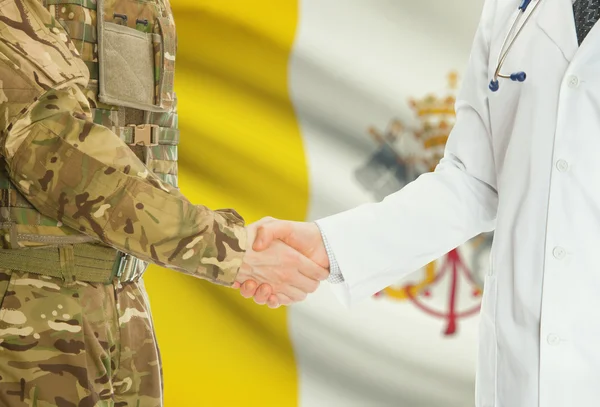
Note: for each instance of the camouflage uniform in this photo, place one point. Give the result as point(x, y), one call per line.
point(88, 197)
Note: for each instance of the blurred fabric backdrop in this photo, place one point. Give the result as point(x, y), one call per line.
point(299, 109)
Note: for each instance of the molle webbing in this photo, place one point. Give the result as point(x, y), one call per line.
point(162, 135)
point(153, 136)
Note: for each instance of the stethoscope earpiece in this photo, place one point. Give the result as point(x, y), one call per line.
point(518, 76)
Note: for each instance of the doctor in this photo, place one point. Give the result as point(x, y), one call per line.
point(523, 159)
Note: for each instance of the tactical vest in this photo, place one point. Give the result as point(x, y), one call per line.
point(129, 48)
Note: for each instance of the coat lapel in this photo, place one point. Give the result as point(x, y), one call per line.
point(556, 20)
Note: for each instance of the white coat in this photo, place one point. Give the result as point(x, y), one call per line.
point(524, 161)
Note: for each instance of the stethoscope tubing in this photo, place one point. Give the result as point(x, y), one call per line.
point(509, 41)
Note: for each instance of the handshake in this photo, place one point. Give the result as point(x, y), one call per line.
point(284, 262)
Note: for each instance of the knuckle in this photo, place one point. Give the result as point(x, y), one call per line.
point(315, 273)
point(260, 230)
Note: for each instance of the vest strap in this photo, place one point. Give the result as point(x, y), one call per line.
point(90, 263)
point(66, 254)
point(89, 4)
point(148, 135)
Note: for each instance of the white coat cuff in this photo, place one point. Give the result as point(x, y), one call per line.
point(335, 273)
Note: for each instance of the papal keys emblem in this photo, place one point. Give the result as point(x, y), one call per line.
point(449, 288)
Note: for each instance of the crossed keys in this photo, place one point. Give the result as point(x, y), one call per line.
point(399, 159)
point(402, 155)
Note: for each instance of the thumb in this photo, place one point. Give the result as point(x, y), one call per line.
point(264, 238)
point(266, 233)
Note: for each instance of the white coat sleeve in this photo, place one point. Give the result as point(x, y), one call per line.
point(377, 244)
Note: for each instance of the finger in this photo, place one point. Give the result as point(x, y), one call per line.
point(293, 293)
point(299, 281)
point(295, 267)
point(248, 289)
point(236, 285)
point(284, 299)
point(277, 300)
point(311, 269)
point(263, 293)
point(266, 233)
point(306, 285)
point(273, 302)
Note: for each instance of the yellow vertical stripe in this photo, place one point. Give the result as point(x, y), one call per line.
point(241, 148)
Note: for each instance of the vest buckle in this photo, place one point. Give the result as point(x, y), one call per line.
point(144, 134)
point(125, 268)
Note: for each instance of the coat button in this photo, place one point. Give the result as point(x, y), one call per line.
point(553, 340)
point(559, 253)
point(573, 81)
point(562, 165)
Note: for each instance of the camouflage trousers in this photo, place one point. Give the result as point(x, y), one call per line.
point(76, 345)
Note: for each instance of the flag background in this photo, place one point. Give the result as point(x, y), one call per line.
point(275, 99)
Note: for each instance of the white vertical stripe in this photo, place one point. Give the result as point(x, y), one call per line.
point(355, 64)
point(380, 354)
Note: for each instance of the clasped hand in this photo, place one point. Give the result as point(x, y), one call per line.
point(285, 261)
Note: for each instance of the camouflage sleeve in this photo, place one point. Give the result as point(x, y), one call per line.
point(81, 173)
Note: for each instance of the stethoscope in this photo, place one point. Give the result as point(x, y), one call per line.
point(507, 45)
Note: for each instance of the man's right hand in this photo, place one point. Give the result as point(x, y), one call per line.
point(286, 275)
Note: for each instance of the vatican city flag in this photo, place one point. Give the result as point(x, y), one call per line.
point(299, 109)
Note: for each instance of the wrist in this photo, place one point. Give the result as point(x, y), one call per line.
point(236, 265)
point(324, 250)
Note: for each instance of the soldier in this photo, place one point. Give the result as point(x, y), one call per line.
point(88, 197)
